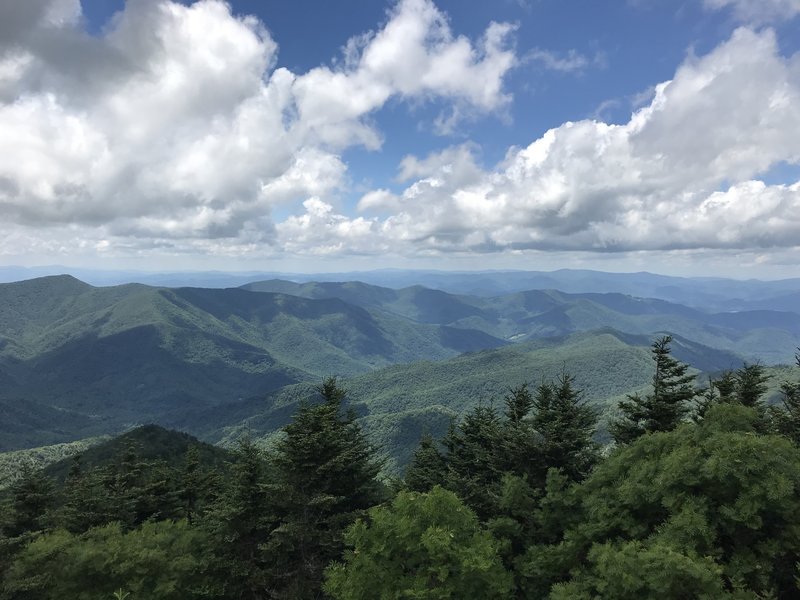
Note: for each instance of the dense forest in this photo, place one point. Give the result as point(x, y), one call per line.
point(696, 497)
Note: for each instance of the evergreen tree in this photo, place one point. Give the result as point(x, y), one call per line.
point(325, 477)
point(192, 485)
point(86, 502)
point(787, 416)
point(665, 407)
point(726, 386)
point(566, 424)
point(476, 451)
point(427, 468)
point(32, 499)
point(519, 402)
point(751, 385)
point(237, 525)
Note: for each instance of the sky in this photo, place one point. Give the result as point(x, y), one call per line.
point(298, 135)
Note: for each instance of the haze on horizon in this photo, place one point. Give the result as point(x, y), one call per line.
point(633, 136)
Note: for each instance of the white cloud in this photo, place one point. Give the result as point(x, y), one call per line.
point(178, 133)
point(758, 11)
point(415, 55)
point(176, 128)
point(381, 199)
point(322, 231)
point(568, 62)
point(682, 173)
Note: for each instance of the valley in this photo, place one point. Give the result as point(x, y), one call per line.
point(78, 361)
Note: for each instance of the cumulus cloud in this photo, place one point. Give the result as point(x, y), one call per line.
point(177, 127)
point(682, 173)
point(177, 131)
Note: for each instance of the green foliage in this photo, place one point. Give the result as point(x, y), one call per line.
point(150, 443)
point(428, 467)
point(786, 416)
point(473, 459)
point(158, 561)
point(565, 424)
point(325, 477)
point(237, 525)
point(665, 407)
point(716, 494)
point(751, 384)
point(11, 463)
point(425, 546)
point(31, 500)
point(634, 570)
point(519, 402)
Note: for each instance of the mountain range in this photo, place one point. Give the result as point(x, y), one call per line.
point(78, 360)
point(713, 294)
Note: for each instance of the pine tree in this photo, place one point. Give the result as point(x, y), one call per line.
point(521, 448)
point(751, 385)
point(726, 386)
point(238, 524)
point(325, 478)
point(787, 416)
point(566, 424)
point(86, 501)
point(32, 498)
point(476, 453)
point(665, 407)
point(191, 484)
point(427, 468)
point(519, 402)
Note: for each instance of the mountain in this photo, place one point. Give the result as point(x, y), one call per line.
point(707, 293)
point(150, 442)
point(768, 336)
point(77, 360)
point(711, 294)
point(396, 404)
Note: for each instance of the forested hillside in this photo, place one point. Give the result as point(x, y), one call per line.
point(396, 405)
point(77, 361)
point(697, 497)
point(767, 335)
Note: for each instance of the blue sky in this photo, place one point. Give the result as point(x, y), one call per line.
point(626, 135)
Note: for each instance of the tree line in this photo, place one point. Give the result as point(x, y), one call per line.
point(697, 498)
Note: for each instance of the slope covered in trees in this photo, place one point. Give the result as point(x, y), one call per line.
point(764, 334)
point(398, 403)
point(77, 361)
point(514, 501)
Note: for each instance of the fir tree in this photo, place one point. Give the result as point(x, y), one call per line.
point(32, 498)
point(475, 457)
point(325, 478)
point(566, 424)
point(192, 482)
point(665, 407)
point(751, 385)
point(519, 402)
point(238, 524)
point(726, 386)
point(787, 416)
point(427, 468)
